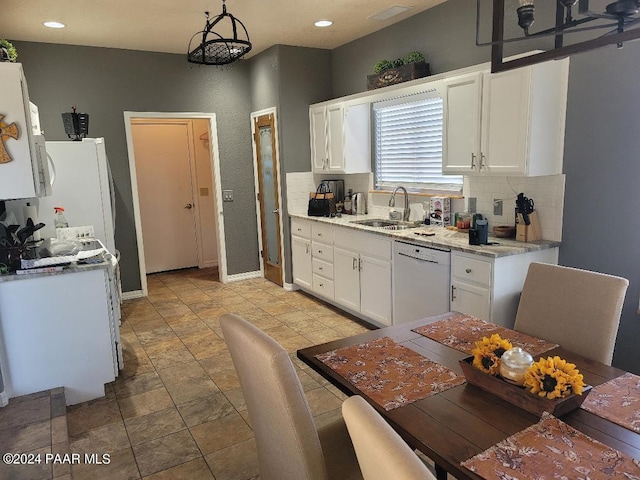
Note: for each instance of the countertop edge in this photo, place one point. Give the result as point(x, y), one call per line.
point(444, 238)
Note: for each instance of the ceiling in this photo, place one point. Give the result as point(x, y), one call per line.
point(167, 25)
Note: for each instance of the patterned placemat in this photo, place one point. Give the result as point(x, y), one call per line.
point(552, 449)
point(390, 374)
point(617, 400)
point(463, 331)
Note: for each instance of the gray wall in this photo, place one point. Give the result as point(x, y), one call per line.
point(290, 79)
point(106, 82)
point(601, 221)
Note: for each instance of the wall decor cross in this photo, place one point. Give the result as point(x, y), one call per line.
point(7, 131)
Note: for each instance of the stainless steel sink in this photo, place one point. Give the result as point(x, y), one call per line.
point(385, 224)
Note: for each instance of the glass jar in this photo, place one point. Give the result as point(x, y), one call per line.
point(463, 221)
point(514, 363)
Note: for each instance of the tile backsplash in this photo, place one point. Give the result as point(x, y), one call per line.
point(547, 192)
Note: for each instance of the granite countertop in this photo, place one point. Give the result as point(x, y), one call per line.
point(71, 268)
point(443, 238)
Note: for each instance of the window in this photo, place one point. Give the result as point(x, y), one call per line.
point(408, 144)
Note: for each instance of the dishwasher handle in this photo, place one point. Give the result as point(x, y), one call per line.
point(417, 258)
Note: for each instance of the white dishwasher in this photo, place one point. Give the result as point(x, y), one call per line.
point(421, 279)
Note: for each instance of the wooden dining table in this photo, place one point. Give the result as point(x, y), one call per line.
point(463, 421)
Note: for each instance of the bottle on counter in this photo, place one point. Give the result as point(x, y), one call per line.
point(348, 203)
point(60, 221)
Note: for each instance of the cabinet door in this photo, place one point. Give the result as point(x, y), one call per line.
point(471, 299)
point(357, 138)
point(301, 261)
point(347, 278)
point(318, 135)
point(505, 122)
point(375, 289)
point(335, 137)
point(461, 141)
point(17, 179)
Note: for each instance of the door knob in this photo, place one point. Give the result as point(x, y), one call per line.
point(277, 211)
point(189, 206)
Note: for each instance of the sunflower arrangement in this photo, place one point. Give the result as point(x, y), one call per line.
point(487, 353)
point(553, 377)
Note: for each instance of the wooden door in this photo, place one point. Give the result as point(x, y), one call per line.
point(264, 137)
point(167, 208)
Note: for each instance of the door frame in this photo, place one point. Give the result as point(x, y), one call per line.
point(215, 170)
point(255, 115)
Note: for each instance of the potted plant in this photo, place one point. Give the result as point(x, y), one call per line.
point(409, 67)
point(8, 52)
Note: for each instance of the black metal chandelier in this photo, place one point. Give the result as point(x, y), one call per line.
point(618, 21)
point(214, 49)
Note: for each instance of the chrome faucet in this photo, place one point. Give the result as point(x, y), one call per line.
point(392, 202)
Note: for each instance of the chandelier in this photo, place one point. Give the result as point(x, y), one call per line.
point(615, 24)
point(214, 48)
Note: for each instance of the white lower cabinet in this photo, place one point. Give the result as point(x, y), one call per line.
point(362, 268)
point(301, 261)
point(489, 288)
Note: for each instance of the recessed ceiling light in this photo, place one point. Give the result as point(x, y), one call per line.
point(390, 12)
point(54, 24)
point(323, 23)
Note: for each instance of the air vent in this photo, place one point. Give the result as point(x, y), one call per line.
point(390, 12)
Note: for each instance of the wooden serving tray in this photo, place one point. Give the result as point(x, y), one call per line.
point(519, 396)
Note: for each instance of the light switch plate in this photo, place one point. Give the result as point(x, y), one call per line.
point(227, 195)
point(472, 205)
point(497, 206)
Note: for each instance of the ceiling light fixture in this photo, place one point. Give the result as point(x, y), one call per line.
point(214, 49)
point(54, 24)
point(323, 23)
point(619, 22)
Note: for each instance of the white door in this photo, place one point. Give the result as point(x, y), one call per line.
point(505, 121)
point(462, 124)
point(470, 299)
point(375, 289)
point(318, 138)
point(167, 211)
point(346, 272)
point(335, 137)
point(301, 261)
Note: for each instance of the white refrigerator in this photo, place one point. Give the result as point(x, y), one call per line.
point(83, 186)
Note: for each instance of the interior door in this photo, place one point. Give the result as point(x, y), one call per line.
point(268, 194)
point(167, 211)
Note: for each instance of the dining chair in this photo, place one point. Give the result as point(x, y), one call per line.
point(577, 309)
point(381, 452)
point(289, 445)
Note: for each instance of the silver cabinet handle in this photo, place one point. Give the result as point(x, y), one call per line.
point(468, 270)
point(354, 265)
point(483, 162)
point(453, 293)
point(473, 160)
point(307, 249)
point(188, 206)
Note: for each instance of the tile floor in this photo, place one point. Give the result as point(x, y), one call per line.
point(177, 411)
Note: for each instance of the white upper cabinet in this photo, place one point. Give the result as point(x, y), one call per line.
point(509, 123)
point(23, 162)
point(340, 138)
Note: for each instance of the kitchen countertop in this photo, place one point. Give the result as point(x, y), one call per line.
point(443, 238)
point(71, 268)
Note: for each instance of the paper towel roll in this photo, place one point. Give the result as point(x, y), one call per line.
point(31, 212)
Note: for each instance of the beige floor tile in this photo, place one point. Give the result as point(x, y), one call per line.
point(187, 382)
point(237, 462)
point(221, 370)
point(190, 327)
point(236, 397)
point(173, 320)
point(166, 452)
point(122, 466)
point(172, 343)
point(107, 439)
point(194, 470)
point(280, 333)
point(325, 335)
point(205, 409)
point(221, 433)
point(157, 335)
point(277, 308)
point(82, 418)
point(145, 403)
point(42, 471)
point(138, 384)
point(322, 400)
point(204, 344)
point(154, 425)
point(171, 358)
point(25, 412)
point(24, 438)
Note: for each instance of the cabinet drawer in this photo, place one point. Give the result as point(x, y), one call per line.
point(322, 233)
point(323, 286)
point(368, 244)
point(322, 251)
point(471, 270)
point(322, 268)
point(300, 228)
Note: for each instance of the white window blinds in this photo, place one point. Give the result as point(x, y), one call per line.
point(408, 144)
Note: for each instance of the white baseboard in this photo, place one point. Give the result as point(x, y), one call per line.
point(132, 294)
point(209, 264)
point(290, 287)
point(244, 276)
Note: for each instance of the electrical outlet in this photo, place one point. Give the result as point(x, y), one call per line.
point(497, 206)
point(472, 205)
point(227, 195)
